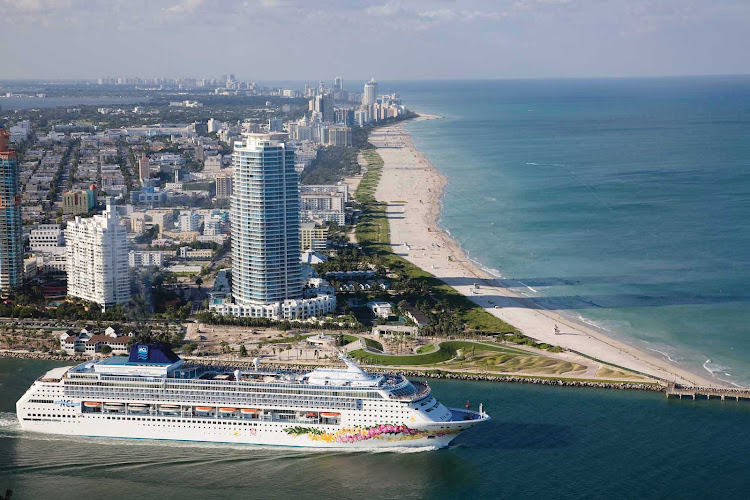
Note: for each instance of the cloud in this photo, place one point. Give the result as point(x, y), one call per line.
point(184, 7)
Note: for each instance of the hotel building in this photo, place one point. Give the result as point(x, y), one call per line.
point(97, 258)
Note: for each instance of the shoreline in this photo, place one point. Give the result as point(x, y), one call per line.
point(416, 235)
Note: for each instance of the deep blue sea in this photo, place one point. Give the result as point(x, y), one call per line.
point(543, 442)
point(624, 203)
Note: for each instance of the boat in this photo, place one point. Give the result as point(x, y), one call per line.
point(342, 407)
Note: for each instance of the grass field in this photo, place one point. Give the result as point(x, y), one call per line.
point(447, 351)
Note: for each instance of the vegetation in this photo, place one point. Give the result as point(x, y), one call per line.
point(450, 312)
point(373, 344)
point(332, 164)
point(447, 350)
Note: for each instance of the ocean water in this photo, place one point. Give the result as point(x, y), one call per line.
point(624, 203)
point(543, 442)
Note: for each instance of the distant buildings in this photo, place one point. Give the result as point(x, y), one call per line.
point(144, 169)
point(224, 186)
point(77, 203)
point(324, 203)
point(47, 239)
point(313, 237)
point(97, 259)
point(11, 242)
point(370, 94)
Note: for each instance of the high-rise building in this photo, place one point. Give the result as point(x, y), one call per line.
point(338, 83)
point(265, 221)
point(266, 255)
point(97, 258)
point(370, 95)
point(11, 243)
point(324, 106)
point(223, 186)
point(144, 170)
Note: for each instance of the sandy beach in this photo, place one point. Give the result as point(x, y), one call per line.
point(412, 188)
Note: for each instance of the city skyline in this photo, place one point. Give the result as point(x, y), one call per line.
point(448, 40)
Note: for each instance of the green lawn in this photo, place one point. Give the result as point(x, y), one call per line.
point(447, 351)
point(374, 344)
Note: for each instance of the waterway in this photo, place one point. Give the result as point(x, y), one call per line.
point(543, 442)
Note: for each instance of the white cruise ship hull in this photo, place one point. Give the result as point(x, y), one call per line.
point(66, 421)
point(317, 410)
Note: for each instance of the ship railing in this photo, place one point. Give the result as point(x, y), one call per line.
point(422, 389)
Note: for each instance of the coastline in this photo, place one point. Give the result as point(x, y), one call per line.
point(412, 189)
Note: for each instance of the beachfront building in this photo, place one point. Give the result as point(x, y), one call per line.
point(97, 258)
point(370, 95)
point(11, 242)
point(265, 204)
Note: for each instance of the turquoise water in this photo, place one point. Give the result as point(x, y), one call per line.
point(543, 442)
point(624, 203)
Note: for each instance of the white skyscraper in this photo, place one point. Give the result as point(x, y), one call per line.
point(370, 95)
point(97, 258)
point(266, 266)
point(265, 221)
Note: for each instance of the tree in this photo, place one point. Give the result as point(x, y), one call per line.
point(243, 350)
point(105, 350)
point(189, 348)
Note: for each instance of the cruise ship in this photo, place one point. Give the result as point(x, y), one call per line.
point(153, 394)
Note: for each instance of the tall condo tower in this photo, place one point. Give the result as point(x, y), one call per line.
point(370, 95)
point(338, 83)
point(144, 170)
point(11, 244)
point(264, 214)
point(97, 258)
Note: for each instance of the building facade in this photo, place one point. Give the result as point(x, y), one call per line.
point(265, 221)
point(97, 259)
point(11, 242)
point(224, 186)
point(266, 268)
point(370, 95)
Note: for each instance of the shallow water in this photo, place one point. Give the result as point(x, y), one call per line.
point(621, 203)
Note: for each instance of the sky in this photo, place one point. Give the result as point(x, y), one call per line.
point(390, 39)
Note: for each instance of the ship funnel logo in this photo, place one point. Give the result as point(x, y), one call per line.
point(143, 352)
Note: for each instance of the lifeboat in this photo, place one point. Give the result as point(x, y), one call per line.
point(92, 404)
point(249, 411)
point(227, 410)
point(137, 407)
point(204, 408)
point(169, 408)
point(113, 406)
point(329, 414)
point(311, 415)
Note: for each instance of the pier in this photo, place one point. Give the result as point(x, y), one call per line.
point(707, 392)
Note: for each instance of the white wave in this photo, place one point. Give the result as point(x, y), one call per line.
point(532, 163)
point(663, 354)
point(527, 286)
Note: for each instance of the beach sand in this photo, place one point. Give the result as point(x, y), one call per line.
point(412, 189)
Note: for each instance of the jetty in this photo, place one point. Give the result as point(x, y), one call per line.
point(707, 392)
